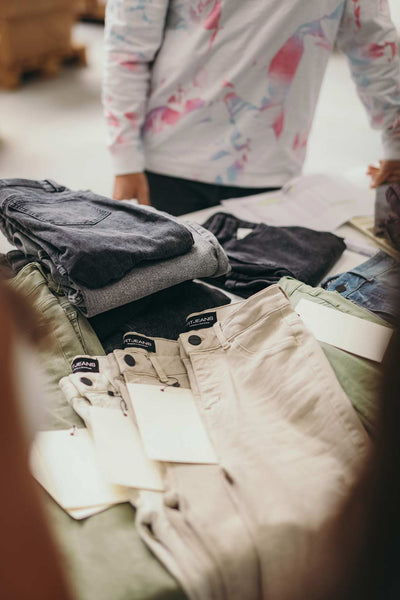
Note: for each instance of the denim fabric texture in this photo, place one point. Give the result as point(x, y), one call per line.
point(205, 258)
point(90, 239)
point(375, 285)
point(268, 253)
point(161, 315)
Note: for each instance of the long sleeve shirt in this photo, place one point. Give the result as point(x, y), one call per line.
point(224, 91)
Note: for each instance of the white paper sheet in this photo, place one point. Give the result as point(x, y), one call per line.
point(120, 451)
point(170, 425)
point(344, 331)
point(66, 466)
point(320, 202)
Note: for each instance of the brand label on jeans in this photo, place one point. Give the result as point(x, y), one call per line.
point(132, 340)
point(85, 365)
point(201, 321)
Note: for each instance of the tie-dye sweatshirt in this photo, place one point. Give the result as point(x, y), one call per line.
point(224, 91)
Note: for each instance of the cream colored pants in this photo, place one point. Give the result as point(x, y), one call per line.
point(289, 444)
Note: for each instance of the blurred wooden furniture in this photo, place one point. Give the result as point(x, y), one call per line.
point(35, 36)
point(93, 10)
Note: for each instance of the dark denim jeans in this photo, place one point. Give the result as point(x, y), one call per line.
point(375, 285)
point(268, 253)
point(87, 238)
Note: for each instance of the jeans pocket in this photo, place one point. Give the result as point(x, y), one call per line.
point(63, 211)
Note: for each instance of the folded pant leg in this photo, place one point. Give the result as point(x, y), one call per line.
point(205, 259)
point(176, 546)
point(360, 378)
point(70, 334)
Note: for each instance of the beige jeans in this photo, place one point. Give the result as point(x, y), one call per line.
point(194, 527)
point(287, 438)
point(289, 444)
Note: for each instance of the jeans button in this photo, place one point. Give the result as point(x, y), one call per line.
point(86, 381)
point(195, 340)
point(341, 288)
point(130, 361)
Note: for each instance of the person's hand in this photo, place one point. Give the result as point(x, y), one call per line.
point(132, 185)
point(387, 172)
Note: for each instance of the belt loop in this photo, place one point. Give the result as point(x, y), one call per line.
point(220, 335)
point(161, 374)
point(53, 186)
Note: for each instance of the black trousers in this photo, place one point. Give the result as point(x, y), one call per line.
point(179, 196)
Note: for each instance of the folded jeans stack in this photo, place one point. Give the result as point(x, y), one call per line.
point(103, 253)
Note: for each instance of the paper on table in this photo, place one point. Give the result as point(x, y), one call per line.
point(344, 331)
point(121, 455)
point(170, 425)
point(66, 466)
point(320, 202)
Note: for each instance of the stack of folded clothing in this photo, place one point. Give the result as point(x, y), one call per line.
point(261, 254)
point(100, 253)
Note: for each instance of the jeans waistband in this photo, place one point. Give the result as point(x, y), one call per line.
point(233, 319)
point(47, 185)
point(376, 265)
point(160, 346)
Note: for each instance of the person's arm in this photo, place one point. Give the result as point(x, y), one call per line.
point(368, 37)
point(133, 34)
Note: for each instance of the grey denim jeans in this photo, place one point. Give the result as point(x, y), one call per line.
point(203, 257)
point(90, 239)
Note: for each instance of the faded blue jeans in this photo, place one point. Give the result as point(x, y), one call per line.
point(375, 285)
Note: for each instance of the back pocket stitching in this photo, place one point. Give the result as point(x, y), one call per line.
point(20, 206)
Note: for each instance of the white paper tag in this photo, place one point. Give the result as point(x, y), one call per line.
point(120, 451)
point(66, 466)
point(344, 331)
point(170, 425)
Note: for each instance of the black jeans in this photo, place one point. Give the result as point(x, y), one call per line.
point(180, 196)
point(268, 253)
